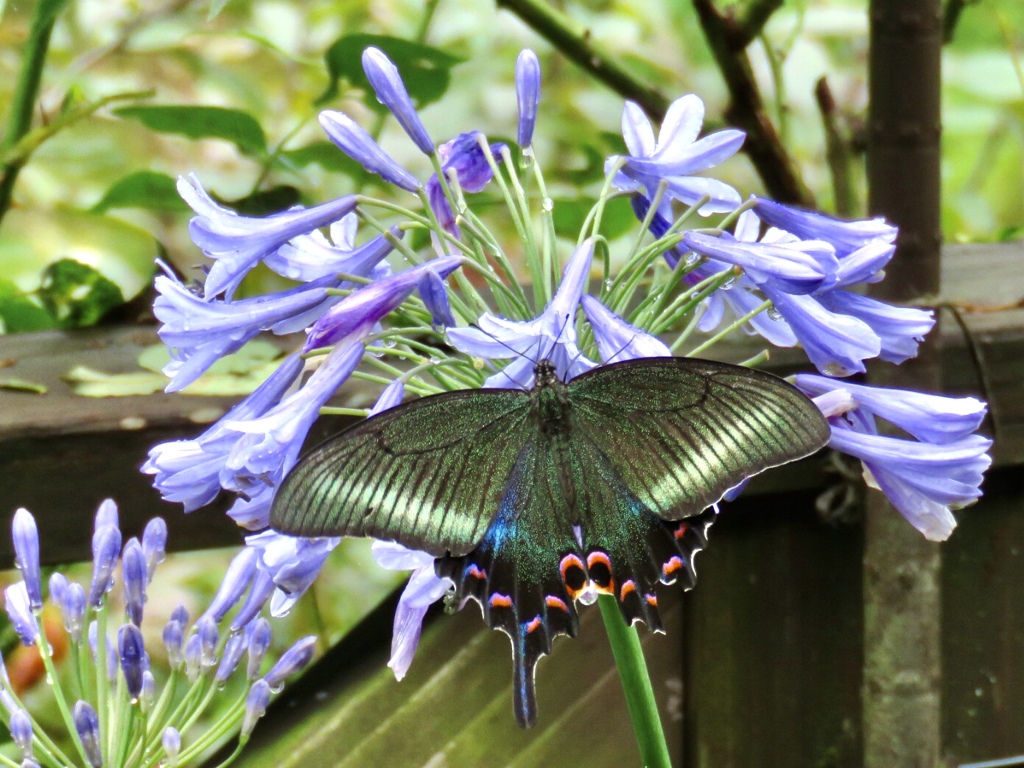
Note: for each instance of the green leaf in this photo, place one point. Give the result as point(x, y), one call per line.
point(266, 201)
point(569, 216)
point(425, 71)
point(22, 385)
point(76, 295)
point(20, 312)
point(142, 189)
point(201, 122)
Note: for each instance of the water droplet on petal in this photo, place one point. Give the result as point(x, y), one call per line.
point(774, 314)
point(692, 258)
point(729, 284)
point(548, 204)
point(588, 595)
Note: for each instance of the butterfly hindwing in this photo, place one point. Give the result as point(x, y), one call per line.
point(523, 570)
point(428, 474)
point(681, 432)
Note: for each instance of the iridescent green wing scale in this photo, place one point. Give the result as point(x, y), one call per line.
point(429, 474)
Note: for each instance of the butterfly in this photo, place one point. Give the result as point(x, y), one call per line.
point(532, 500)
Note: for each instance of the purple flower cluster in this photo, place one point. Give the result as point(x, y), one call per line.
point(123, 660)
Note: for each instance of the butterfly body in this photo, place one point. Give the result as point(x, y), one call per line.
point(532, 500)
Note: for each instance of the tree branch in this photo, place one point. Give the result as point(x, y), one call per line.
point(747, 111)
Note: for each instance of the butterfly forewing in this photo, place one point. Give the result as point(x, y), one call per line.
point(681, 432)
point(429, 474)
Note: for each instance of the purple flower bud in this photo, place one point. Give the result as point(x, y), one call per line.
point(292, 661)
point(233, 650)
point(193, 654)
point(133, 658)
point(74, 611)
point(20, 727)
point(26, 548)
point(133, 568)
point(148, 694)
point(391, 92)
point(20, 613)
point(106, 545)
point(5, 681)
point(171, 741)
point(260, 591)
point(435, 296)
point(259, 641)
point(111, 652)
point(355, 142)
point(354, 316)
point(618, 340)
point(154, 544)
point(87, 723)
point(180, 615)
point(255, 705)
point(106, 515)
point(5, 697)
point(237, 579)
point(208, 637)
point(846, 236)
point(527, 94)
point(174, 642)
point(58, 589)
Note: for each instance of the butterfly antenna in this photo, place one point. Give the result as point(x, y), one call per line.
point(501, 370)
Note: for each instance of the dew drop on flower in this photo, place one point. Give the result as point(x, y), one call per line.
point(548, 205)
point(608, 284)
point(729, 284)
point(388, 343)
point(774, 314)
point(692, 258)
point(276, 689)
point(528, 157)
point(435, 360)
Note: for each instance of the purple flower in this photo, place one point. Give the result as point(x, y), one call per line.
point(237, 242)
point(392, 395)
point(527, 94)
point(133, 568)
point(423, 589)
point(788, 264)
point(259, 643)
point(236, 580)
point(20, 726)
point(188, 471)
point(846, 236)
point(193, 658)
point(260, 590)
point(899, 329)
point(233, 650)
point(465, 156)
point(618, 340)
point(293, 562)
point(270, 444)
point(106, 545)
point(676, 156)
point(200, 332)
point(74, 611)
point(391, 92)
point(206, 631)
point(924, 478)
point(87, 724)
point(311, 257)
point(255, 705)
point(154, 544)
point(20, 613)
point(171, 742)
point(59, 590)
point(293, 660)
point(174, 642)
point(360, 146)
point(25, 536)
point(550, 335)
point(134, 660)
point(354, 316)
point(435, 297)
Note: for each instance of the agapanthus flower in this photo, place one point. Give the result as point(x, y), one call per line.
point(354, 141)
point(527, 95)
point(551, 335)
point(423, 589)
point(464, 157)
point(926, 477)
point(847, 236)
point(312, 257)
point(130, 689)
point(293, 562)
point(238, 242)
point(676, 156)
point(618, 340)
point(387, 84)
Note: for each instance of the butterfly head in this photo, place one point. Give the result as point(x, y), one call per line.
point(545, 374)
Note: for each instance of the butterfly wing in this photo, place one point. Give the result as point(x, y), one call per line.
point(663, 439)
point(681, 432)
point(429, 474)
point(527, 569)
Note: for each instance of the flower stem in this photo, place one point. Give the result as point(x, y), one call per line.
point(636, 684)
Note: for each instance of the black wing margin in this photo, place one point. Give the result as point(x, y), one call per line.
point(429, 474)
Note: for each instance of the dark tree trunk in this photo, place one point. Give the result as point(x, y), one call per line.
point(901, 570)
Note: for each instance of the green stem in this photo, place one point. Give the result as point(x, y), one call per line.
point(25, 93)
point(636, 684)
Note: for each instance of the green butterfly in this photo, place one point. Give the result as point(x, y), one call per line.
point(533, 499)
